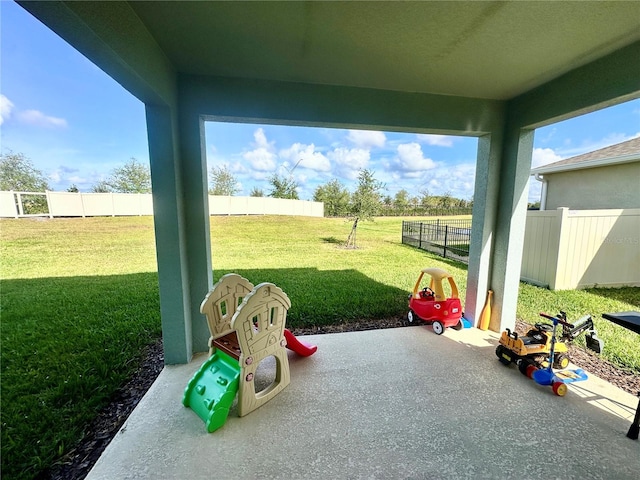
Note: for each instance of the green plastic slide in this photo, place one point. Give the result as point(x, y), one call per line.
point(211, 391)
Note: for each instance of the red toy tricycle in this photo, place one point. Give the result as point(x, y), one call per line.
point(431, 305)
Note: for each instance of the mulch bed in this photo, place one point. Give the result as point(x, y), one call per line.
point(79, 461)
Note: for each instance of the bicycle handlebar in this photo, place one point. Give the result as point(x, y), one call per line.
point(559, 320)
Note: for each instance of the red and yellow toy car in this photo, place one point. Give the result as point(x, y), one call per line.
point(430, 304)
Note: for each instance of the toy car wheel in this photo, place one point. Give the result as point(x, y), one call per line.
point(438, 328)
point(458, 326)
point(561, 361)
point(559, 389)
point(412, 318)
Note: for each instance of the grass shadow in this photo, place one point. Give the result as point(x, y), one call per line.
point(329, 297)
point(332, 240)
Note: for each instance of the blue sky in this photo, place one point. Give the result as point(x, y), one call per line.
point(76, 125)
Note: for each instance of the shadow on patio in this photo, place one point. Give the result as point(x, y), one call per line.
point(395, 403)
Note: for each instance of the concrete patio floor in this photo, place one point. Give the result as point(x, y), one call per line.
point(396, 403)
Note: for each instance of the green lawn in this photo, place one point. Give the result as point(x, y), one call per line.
point(80, 301)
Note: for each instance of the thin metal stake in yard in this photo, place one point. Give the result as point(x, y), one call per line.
point(351, 240)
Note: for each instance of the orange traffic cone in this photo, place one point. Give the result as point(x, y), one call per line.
point(485, 316)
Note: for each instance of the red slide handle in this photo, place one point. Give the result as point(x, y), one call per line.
point(556, 319)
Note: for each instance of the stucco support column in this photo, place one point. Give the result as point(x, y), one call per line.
point(196, 218)
point(499, 219)
point(485, 206)
point(181, 220)
point(510, 227)
point(171, 243)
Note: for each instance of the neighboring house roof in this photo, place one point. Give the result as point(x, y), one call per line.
point(624, 152)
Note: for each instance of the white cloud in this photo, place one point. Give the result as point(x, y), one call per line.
point(367, 138)
point(5, 108)
point(262, 157)
point(535, 190)
point(76, 179)
point(612, 139)
point(591, 145)
point(544, 156)
point(348, 162)
point(236, 167)
point(410, 158)
point(436, 140)
point(307, 156)
point(459, 180)
point(260, 140)
point(39, 119)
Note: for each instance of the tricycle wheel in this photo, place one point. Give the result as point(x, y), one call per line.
point(438, 328)
point(559, 389)
point(412, 318)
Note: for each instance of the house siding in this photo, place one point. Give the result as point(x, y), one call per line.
point(613, 186)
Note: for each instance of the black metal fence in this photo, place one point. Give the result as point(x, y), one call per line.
point(448, 238)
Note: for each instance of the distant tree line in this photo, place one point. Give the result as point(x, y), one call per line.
point(17, 173)
point(339, 202)
point(337, 199)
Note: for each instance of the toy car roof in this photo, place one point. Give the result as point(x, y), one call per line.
point(437, 273)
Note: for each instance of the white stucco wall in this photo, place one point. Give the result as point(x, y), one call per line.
point(615, 186)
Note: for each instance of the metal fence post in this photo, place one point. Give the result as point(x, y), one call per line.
point(420, 239)
point(446, 232)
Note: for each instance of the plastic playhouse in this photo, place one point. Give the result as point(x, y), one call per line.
point(247, 325)
point(430, 304)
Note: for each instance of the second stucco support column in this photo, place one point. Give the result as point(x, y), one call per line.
point(198, 238)
point(499, 219)
point(170, 233)
point(485, 211)
point(510, 227)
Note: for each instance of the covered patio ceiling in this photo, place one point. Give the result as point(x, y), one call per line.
point(495, 70)
point(491, 50)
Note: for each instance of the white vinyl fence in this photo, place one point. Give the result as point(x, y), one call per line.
point(66, 204)
point(569, 249)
